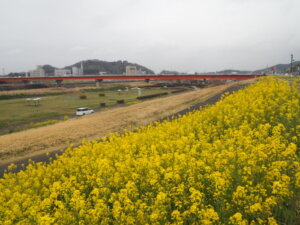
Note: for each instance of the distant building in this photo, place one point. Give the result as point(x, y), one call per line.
point(77, 71)
point(62, 72)
point(38, 72)
point(168, 72)
point(191, 73)
point(132, 70)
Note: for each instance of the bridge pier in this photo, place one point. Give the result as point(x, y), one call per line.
point(98, 81)
point(25, 82)
point(197, 82)
point(147, 80)
point(202, 82)
point(58, 83)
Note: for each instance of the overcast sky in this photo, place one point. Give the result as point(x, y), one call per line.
point(182, 35)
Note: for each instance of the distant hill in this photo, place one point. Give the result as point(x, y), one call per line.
point(230, 71)
point(49, 70)
point(93, 67)
point(282, 68)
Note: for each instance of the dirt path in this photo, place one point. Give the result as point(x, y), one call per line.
point(34, 143)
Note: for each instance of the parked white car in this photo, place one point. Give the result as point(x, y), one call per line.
point(83, 111)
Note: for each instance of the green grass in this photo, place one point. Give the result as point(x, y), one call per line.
point(122, 87)
point(22, 95)
point(17, 114)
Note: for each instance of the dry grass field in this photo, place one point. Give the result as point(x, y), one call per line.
point(58, 136)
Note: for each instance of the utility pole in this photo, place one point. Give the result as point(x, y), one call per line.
point(292, 60)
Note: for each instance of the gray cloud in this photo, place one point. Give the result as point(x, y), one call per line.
point(184, 35)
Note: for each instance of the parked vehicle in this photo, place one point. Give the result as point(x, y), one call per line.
point(83, 111)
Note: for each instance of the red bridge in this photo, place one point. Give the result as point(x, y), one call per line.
point(136, 77)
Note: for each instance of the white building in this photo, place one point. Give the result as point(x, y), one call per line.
point(77, 71)
point(62, 72)
point(38, 72)
point(132, 70)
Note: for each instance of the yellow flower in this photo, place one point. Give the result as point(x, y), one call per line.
point(236, 162)
point(237, 219)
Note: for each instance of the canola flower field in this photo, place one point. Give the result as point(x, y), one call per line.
point(236, 162)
